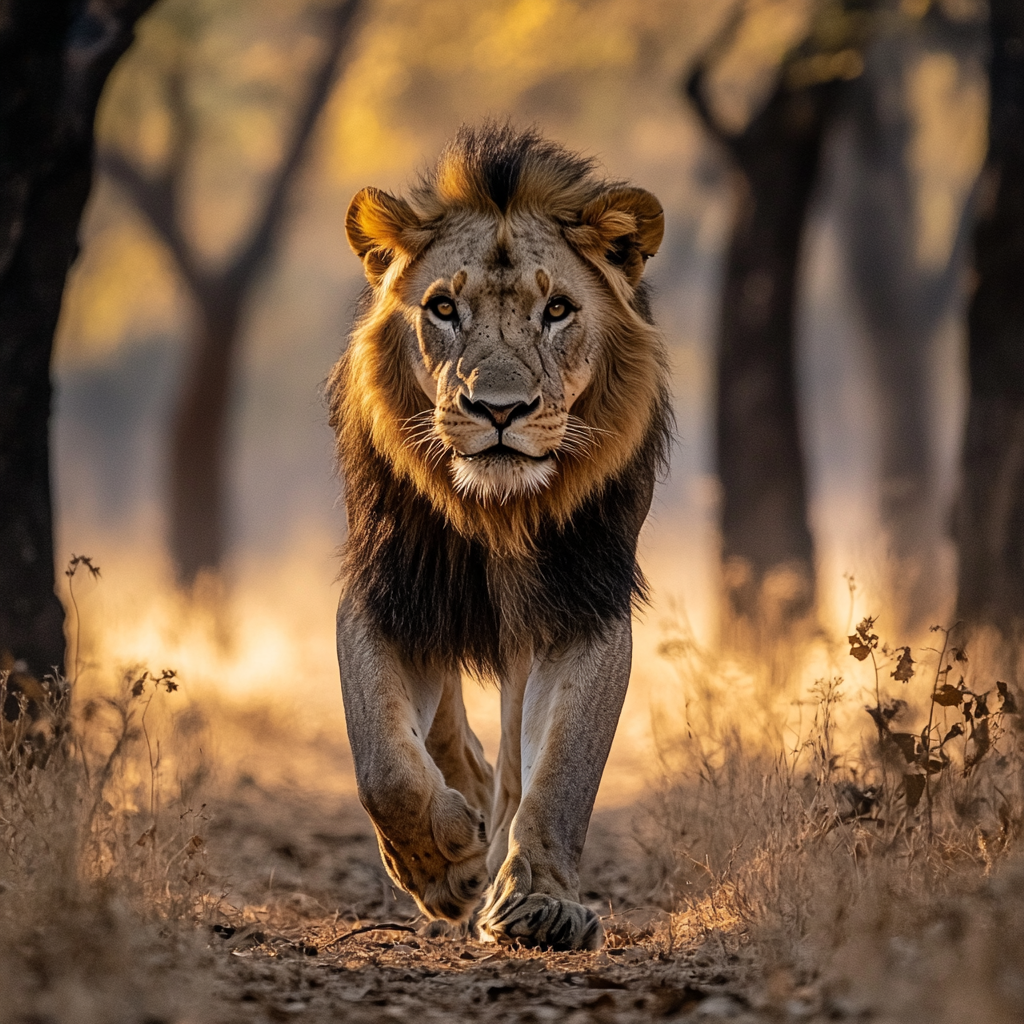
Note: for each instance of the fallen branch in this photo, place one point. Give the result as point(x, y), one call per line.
point(387, 927)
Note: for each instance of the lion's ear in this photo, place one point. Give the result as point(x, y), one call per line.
point(378, 227)
point(623, 227)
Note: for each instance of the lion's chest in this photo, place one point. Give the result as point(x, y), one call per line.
point(438, 595)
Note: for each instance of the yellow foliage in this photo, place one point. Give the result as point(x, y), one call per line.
point(741, 80)
point(478, 59)
point(124, 284)
point(947, 150)
point(416, 70)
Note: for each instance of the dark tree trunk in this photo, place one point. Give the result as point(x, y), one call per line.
point(199, 440)
point(765, 531)
point(901, 302)
point(54, 59)
point(900, 314)
point(990, 526)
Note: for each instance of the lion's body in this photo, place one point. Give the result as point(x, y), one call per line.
point(501, 415)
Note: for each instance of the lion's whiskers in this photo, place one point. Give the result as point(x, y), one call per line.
point(580, 439)
point(421, 433)
point(424, 415)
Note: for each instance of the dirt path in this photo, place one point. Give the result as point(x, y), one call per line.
point(440, 980)
point(303, 873)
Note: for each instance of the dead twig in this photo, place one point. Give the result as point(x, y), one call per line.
point(386, 927)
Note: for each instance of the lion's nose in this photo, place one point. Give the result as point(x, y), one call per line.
point(499, 416)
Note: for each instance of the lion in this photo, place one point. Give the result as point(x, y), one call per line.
point(501, 414)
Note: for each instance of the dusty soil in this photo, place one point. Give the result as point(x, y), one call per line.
point(294, 935)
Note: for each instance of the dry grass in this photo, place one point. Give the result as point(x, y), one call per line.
point(839, 849)
point(99, 853)
point(101, 848)
point(866, 857)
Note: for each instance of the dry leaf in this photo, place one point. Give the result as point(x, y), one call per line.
point(948, 696)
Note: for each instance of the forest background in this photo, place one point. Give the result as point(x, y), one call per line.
point(214, 289)
point(211, 95)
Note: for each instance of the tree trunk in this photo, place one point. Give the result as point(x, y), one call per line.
point(54, 59)
point(990, 522)
point(901, 302)
point(768, 552)
point(199, 442)
point(199, 435)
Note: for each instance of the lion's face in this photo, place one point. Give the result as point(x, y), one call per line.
point(505, 319)
point(502, 362)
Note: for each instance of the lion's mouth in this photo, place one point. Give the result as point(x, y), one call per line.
point(503, 451)
point(501, 472)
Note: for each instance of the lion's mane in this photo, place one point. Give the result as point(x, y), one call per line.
point(453, 579)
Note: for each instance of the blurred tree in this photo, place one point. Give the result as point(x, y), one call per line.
point(768, 551)
point(199, 432)
point(990, 522)
point(844, 85)
point(54, 60)
point(904, 275)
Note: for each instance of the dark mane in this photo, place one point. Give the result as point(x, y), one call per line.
point(499, 167)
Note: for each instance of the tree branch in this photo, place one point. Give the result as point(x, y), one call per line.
point(264, 231)
point(693, 85)
point(155, 198)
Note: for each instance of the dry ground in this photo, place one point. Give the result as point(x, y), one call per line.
point(308, 875)
point(209, 864)
point(266, 912)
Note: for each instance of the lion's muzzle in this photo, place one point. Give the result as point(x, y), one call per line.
point(506, 429)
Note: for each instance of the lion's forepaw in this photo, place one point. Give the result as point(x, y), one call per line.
point(534, 919)
point(443, 863)
point(456, 931)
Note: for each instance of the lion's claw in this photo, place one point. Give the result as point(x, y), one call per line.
point(535, 919)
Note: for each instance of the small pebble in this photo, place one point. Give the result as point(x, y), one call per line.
point(718, 1006)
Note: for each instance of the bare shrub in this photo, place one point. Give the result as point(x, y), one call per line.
point(857, 868)
point(102, 851)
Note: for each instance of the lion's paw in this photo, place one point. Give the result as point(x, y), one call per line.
point(455, 893)
point(454, 931)
point(443, 866)
point(459, 830)
point(537, 920)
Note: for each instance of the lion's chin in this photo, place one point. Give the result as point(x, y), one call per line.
point(501, 476)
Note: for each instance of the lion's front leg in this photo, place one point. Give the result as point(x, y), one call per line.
point(432, 839)
point(455, 749)
point(570, 708)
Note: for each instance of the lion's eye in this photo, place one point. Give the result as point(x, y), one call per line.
point(558, 309)
point(442, 307)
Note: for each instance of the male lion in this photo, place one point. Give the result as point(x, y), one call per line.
point(501, 413)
